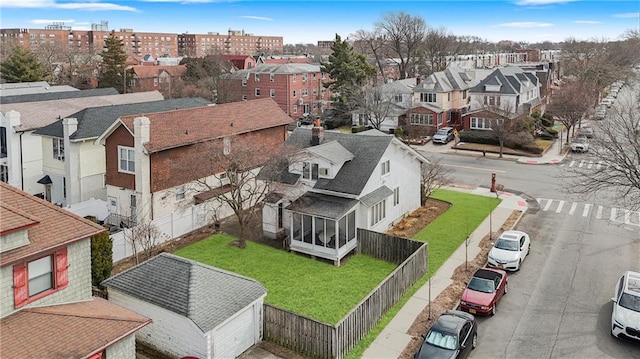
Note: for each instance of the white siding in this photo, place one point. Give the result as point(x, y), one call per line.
point(123, 349)
point(92, 171)
point(32, 162)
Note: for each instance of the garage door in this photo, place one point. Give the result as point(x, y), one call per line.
point(236, 336)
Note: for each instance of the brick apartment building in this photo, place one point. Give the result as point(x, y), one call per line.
point(297, 88)
point(136, 44)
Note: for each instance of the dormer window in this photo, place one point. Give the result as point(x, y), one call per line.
point(310, 170)
point(428, 97)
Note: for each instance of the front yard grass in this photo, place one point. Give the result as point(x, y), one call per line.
point(294, 282)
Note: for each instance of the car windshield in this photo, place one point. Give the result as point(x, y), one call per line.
point(506, 244)
point(481, 285)
point(630, 302)
point(580, 140)
point(442, 132)
point(442, 340)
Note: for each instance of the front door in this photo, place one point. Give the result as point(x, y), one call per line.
point(113, 204)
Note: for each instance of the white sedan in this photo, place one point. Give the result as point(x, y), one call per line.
point(509, 250)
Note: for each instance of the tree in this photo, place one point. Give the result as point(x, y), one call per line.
point(433, 175)
point(144, 239)
point(618, 145)
point(22, 66)
point(572, 103)
point(376, 104)
point(438, 44)
point(372, 43)
point(202, 77)
point(113, 70)
point(349, 71)
point(404, 36)
point(101, 258)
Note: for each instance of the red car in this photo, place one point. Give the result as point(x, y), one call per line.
point(484, 291)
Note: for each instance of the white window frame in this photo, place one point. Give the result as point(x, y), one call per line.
point(295, 93)
point(421, 119)
point(430, 97)
point(310, 170)
point(272, 77)
point(272, 92)
point(38, 271)
point(256, 77)
point(295, 77)
point(257, 92)
point(226, 145)
point(305, 92)
point(295, 108)
point(180, 193)
point(378, 212)
point(58, 149)
point(244, 97)
point(131, 158)
point(480, 123)
point(385, 167)
point(396, 196)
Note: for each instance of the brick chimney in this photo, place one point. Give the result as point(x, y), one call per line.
point(317, 133)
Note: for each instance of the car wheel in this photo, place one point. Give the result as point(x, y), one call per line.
point(506, 288)
point(474, 341)
point(493, 309)
point(519, 264)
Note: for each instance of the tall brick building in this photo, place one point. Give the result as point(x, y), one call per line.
point(235, 42)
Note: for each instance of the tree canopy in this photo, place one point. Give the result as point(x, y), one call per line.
point(113, 70)
point(22, 66)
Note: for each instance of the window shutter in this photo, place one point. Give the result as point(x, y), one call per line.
point(62, 263)
point(20, 288)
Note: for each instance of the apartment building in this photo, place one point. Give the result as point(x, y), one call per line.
point(234, 42)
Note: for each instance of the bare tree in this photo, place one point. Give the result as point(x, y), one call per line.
point(618, 144)
point(572, 103)
point(144, 239)
point(433, 175)
point(372, 43)
point(404, 35)
point(438, 44)
point(377, 104)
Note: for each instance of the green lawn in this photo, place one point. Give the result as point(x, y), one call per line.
point(296, 283)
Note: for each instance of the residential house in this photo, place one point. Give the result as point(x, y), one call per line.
point(297, 88)
point(438, 101)
point(154, 159)
point(154, 78)
point(338, 182)
point(239, 62)
point(73, 164)
point(389, 101)
point(197, 310)
point(509, 90)
point(47, 308)
point(21, 164)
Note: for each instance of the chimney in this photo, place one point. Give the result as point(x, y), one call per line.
point(317, 133)
point(418, 80)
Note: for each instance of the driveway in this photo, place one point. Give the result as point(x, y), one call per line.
point(258, 353)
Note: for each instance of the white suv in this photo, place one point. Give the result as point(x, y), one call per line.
point(625, 318)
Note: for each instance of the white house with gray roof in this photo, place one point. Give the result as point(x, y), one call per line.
point(196, 310)
point(338, 182)
point(74, 165)
point(388, 101)
point(21, 163)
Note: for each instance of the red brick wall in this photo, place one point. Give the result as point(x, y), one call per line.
point(416, 131)
point(122, 137)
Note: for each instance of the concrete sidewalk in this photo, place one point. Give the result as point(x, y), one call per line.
point(553, 155)
point(394, 338)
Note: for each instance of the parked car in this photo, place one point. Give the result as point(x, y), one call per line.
point(509, 250)
point(453, 335)
point(600, 112)
point(580, 144)
point(585, 131)
point(607, 101)
point(484, 291)
point(444, 135)
point(625, 317)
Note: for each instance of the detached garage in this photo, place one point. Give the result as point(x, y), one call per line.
point(197, 310)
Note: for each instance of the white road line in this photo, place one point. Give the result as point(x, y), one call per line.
point(614, 214)
point(546, 207)
point(587, 207)
point(573, 208)
point(589, 164)
point(573, 162)
point(627, 216)
point(581, 163)
point(559, 209)
point(599, 212)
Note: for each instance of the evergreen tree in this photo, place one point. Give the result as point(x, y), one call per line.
point(22, 66)
point(101, 258)
point(113, 71)
point(349, 72)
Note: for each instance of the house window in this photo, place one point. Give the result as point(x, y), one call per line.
point(126, 160)
point(295, 108)
point(396, 196)
point(33, 280)
point(305, 92)
point(440, 119)
point(464, 94)
point(448, 96)
point(272, 77)
point(256, 77)
point(295, 77)
point(385, 167)
point(492, 100)
point(397, 98)
point(272, 92)
point(428, 97)
point(378, 212)
point(244, 98)
point(479, 123)
point(421, 119)
point(257, 92)
point(180, 193)
point(226, 142)
point(155, 81)
point(58, 149)
point(304, 77)
point(310, 170)
point(295, 93)
point(4, 173)
point(244, 82)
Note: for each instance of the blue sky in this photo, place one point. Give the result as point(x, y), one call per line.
point(300, 21)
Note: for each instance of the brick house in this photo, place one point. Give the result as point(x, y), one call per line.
point(297, 88)
point(154, 78)
point(240, 62)
point(146, 175)
point(46, 305)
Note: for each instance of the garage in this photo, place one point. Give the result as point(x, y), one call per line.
point(236, 336)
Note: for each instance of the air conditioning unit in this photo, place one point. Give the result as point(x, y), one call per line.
point(300, 101)
point(323, 171)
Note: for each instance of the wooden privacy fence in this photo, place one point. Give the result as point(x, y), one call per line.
point(315, 339)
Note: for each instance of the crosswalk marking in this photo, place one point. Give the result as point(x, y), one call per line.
point(611, 214)
point(588, 164)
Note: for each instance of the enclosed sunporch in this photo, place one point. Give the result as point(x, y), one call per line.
point(323, 226)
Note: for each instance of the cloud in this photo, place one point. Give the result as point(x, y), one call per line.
point(261, 18)
point(190, 1)
point(628, 15)
point(529, 24)
point(541, 2)
point(49, 21)
point(86, 6)
point(589, 22)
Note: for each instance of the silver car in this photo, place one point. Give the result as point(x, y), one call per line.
point(444, 135)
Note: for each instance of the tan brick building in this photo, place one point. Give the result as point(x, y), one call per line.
point(235, 42)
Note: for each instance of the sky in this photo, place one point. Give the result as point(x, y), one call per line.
point(301, 21)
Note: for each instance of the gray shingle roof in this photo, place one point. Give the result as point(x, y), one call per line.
point(93, 121)
point(376, 196)
point(353, 176)
point(322, 205)
point(206, 295)
point(331, 151)
point(48, 96)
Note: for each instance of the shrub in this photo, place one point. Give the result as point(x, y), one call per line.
point(398, 132)
point(356, 129)
point(101, 258)
point(531, 148)
point(552, 131)
point(484, 137)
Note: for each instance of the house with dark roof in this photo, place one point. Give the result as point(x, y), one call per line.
point(47, 309)
point(338, 182)
point(197, 310)
point(388, 101)
point(507, 92)
point(22, 160)
point(154, 78)
point(77, 173)
point(157, 164)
